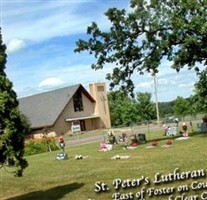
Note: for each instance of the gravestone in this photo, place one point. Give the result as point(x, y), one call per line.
point(203, 127)
point(172, 131)
point(62, 156)
point(141, 138)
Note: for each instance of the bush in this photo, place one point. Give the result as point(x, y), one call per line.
point(40, 146)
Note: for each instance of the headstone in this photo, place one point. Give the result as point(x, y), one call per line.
point(172, 131)
point(62, 156)
point(141, 138)
point(203, 127)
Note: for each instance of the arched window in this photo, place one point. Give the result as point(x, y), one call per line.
point(78, 102)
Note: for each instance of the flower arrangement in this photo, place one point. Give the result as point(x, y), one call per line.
point(154, 143)
point(117, 157)
point(184, 127)
point(168, 142)
point(78, 157)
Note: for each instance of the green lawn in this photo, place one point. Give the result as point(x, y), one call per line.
point(49, 179)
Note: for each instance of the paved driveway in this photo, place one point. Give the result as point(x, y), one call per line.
point(100, 137)
point(81, 141)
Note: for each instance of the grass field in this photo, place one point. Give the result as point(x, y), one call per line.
point(49, 179)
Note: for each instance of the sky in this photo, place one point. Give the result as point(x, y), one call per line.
point(41, 36)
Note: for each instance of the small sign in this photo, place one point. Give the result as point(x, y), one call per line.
point(75, 126)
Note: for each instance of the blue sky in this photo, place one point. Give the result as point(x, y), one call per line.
point(40, 38)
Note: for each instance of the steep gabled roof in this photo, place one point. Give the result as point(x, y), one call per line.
point(44, 109)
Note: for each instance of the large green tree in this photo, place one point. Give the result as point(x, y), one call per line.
point(122, 109)
point(181, 106)
point(166, 109)
point(201, 92)
point(125, 110)
point(138, 39)
point(12, 125)
point(144, 106)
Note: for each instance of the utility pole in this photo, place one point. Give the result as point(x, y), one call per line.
point(156, 100)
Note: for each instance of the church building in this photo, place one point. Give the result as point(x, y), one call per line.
point(67, 110)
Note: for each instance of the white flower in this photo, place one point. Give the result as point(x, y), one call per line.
point(78, 157)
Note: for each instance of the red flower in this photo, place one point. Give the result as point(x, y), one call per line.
point(168, 142)
point(154, 143)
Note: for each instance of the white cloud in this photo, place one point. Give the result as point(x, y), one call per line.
point(163, 81)
point(15, 45)
point(50, 82)
point(47, 27)
point(54, 20)
point(187, 85)
point(145, 85)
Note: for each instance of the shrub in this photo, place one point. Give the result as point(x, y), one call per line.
point(40, 146)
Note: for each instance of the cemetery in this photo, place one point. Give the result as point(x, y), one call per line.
point(88, 142)
point(73, 171)
point(73, 152)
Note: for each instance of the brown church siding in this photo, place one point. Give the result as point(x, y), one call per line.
point(62, 126)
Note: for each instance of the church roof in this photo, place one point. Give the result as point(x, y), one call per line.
point(43, 109)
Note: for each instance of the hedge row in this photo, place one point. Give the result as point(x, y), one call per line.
point(40, 146)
